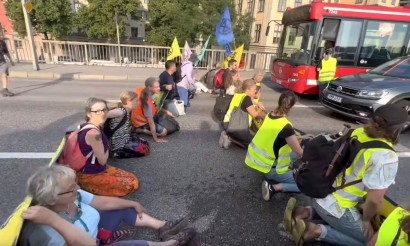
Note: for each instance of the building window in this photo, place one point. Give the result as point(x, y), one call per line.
point(298, 3)
point(240, 3)
point(134, 32)
point(257, 32)
point(393, 2)
point(276, 33)
point(251, 4)
point(261, 5)
point(282, 5)
point(359, 1)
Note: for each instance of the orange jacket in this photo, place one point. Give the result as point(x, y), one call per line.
point(138, 118)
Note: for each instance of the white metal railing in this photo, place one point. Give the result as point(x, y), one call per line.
point(85, 53)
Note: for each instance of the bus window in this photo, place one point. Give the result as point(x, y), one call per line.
point(383, 42)
point(328, 36)
point(347, 42)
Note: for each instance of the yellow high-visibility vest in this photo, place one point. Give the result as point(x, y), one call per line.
point(350, 196)
point(389, 231)
point(236, 102)
point(328, 70)
point(260, 154)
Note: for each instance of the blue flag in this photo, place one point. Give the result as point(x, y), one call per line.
point(224, 32)
point(228, 50)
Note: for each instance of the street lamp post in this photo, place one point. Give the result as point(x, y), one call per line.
point(30, 34)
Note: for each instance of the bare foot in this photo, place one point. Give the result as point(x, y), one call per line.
point(301, 213)
point(312, 232)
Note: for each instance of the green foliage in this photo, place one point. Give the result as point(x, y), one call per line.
point(15, 13)
point(98, 18)
point(54, 17)
point(187, 19)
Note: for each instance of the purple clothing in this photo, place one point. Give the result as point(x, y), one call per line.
point(187, 72)
point(90, 168)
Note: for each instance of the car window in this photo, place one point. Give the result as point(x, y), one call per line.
point(401, 70)
point(385, 67)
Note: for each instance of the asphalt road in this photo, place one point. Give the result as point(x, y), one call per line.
point(188, 176)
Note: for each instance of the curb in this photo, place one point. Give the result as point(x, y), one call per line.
point(85, 77)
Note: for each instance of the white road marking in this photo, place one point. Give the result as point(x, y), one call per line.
point(26, 155)
point(403, 154)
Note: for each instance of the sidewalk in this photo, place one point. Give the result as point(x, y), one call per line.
point(108, 73)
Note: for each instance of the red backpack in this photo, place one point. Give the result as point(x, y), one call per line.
point(72, 155)
point(218, 79)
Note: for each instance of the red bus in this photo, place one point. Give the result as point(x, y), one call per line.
point(361, 37)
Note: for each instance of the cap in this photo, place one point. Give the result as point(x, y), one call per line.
point(390, 115)
point(193, 58)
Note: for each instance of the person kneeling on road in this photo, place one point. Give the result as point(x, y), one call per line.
point(373, 170)
point(144, 117)
point(275, 147)
point(66, 215)
point(243, 99)
point(123, 143)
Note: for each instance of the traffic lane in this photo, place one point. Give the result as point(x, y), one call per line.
point(67, 90)
point(14, 176)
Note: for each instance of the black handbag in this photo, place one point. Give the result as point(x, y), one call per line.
point(238, 127)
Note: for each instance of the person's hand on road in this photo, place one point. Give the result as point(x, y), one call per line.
point(160, 140)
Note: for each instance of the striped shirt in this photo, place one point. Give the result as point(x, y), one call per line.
point(121, 136)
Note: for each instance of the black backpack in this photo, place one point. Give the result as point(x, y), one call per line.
point(107, 129)
point(221, 106)
point(177, 76)
point(324, 158)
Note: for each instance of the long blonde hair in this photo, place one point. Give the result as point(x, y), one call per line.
point(127, 96)
point(245, 86)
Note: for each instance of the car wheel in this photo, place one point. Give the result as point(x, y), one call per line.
point(406, 105)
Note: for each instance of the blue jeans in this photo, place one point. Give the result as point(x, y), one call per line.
point(171, 107)
point(343, 231)
point(286, 180)
point(322, 86)
point(183, 95)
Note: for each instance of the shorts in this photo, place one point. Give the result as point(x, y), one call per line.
point(158, 128)
point(4, 68)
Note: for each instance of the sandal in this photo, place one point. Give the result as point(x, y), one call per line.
point(288, 219)
point(297, 232)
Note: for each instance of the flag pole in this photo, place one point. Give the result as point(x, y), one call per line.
point(118, 36)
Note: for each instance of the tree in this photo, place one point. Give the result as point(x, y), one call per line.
point(172, 18)
point(187, 19)
point(50, 17)
point(97, 18)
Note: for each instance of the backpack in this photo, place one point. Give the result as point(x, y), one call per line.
point(107, 126)
point(324, 158)
point(178, 74)
point(218, 79)
point(72, 155)
point(221, 106)
point(168, 123)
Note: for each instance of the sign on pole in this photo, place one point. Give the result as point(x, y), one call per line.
point(29, 6)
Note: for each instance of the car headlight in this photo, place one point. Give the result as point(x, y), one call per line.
point(371, 94)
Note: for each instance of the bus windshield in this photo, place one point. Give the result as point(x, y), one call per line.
point(297, 41)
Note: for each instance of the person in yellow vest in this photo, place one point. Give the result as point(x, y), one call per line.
point(144, 117)
point(394, 230)
point(243, 99)
point(274, 147)
point(376, 170)
point(326, 70)
point(258, 77)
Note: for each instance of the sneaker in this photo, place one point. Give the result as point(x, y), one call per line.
point(184, 236)
point(267, 190)
point(7, 93)
point(222, 139)
point(171, 228)
point(227, 141)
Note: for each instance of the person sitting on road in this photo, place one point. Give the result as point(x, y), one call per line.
point(232, 64)
point(168, 87)
point(232, 82)
point(187, 83)
point(376, 168)
point(123, 144)
point(145, 117)
point(395, 229)
point(243, 99)
point(63, 214)
point(276, 145)
point(97, 177)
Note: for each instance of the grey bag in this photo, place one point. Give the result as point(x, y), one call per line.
point(238, 127)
